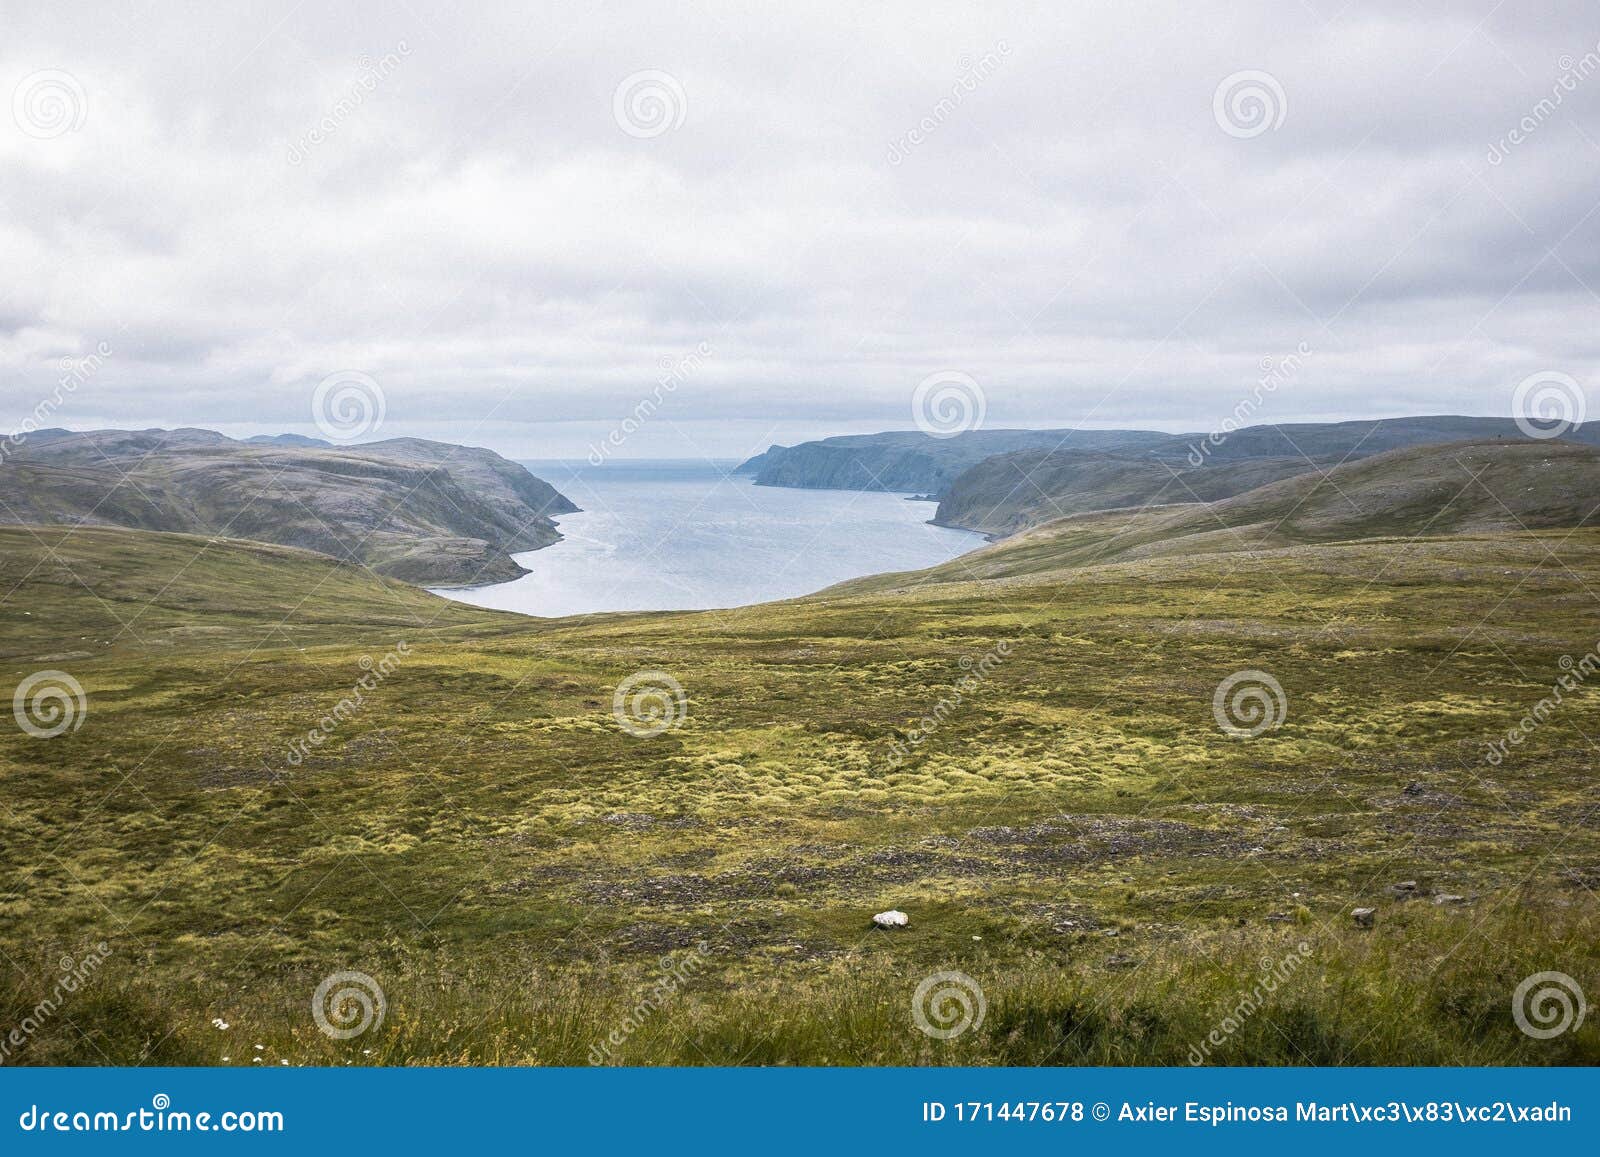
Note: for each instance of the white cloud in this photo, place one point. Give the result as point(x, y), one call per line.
point(475, 231)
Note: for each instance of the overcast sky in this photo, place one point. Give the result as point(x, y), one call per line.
point(492, 215)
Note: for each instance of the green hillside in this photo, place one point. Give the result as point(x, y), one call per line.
point(1461, 488)
point(102, 592)
point(910, 460)
point(1029, 766)
point(1011, 492)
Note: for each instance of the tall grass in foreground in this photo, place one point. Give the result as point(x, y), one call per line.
point(1427, 986)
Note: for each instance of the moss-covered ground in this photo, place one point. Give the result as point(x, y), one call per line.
point(1029, 766)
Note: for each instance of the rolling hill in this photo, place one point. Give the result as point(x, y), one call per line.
point(426, 512)
point(1031, 767)
point(1000, 481)
point(1010, 492)
point(1451, 489)
point(914, 462)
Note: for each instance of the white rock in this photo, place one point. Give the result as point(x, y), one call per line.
point(893, 918)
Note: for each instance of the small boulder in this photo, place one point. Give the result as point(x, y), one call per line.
point(1364, 917)
point(1448, 899)
point(893, 918)
point(1404, 890)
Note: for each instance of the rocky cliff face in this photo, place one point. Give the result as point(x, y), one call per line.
point(425, 512)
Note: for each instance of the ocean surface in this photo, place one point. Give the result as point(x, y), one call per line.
point(690, 535)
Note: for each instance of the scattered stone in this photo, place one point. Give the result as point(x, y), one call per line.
point(893, 918)
point(1449, 899)
point(1364, 917)
point(1120, 961)
point(1404, 890)
point(1279, 918)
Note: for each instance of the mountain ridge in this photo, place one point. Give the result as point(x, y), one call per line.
point(430, 513)
point(915, 462)
point(1412, 492)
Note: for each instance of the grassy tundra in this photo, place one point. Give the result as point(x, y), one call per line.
point(1028, 765)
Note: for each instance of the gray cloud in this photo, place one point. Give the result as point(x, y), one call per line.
point(858, 195)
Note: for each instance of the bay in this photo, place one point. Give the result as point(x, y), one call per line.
point(690, 535)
